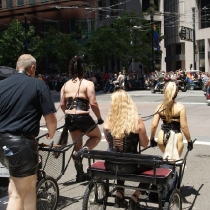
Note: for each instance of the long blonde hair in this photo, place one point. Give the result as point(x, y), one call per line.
point(170, 93)
point(123, 114)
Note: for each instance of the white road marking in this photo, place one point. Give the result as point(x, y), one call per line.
point(103, 139)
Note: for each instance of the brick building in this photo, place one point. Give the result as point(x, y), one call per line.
point(64, 16)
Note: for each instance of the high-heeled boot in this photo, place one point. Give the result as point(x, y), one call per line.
point(81, 175)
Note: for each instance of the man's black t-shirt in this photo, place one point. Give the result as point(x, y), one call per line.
point(23, 101)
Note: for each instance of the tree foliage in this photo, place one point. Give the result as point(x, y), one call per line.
point(12, 43)
point(128, 39)
point(59, 48)
point(56, 47)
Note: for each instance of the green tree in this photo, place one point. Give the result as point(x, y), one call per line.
point(12, 43)
point(100, 46)
point(59, 49)
point(127, 39)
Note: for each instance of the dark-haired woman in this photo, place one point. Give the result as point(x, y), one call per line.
point(173, 115)
point(77, 96)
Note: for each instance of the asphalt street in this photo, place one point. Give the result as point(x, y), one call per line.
point(195, 185)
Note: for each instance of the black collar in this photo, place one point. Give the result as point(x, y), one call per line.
point(22, 72)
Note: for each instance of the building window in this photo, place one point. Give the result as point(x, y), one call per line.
point(146, 5)
point(0, 4)
point(168, 50)
point(44, 0)
point(9, 3)
point(204, 13)
point(81, 29)
point(114, 6)
point(178, 49)
point(20, 2)
point(178, 65)
point(32, 2)
point(201, 47)
point(102, 12)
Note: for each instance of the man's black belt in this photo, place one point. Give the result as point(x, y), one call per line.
point(26, 135)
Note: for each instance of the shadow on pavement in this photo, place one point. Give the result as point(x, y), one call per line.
point(65, 201)
point(72, 181)
point(188, 191)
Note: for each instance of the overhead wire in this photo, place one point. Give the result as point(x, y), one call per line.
point(109, 8)
point(165, 22)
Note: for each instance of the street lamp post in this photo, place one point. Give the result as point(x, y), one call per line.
point(151, 19)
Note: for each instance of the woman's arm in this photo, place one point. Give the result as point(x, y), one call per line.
point(62, 99)
point(154, 125)
point(92, 99)
point(183, 124)
point(105, 128)
point(143, 138)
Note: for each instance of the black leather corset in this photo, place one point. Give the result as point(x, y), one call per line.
point(78, 104)
point(127, 145)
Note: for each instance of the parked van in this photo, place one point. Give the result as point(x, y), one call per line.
point(6, 71)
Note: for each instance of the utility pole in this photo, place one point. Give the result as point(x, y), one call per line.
point(194, 40)
point(152, 19)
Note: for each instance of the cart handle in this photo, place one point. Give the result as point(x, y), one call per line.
point(48, 145)
point(39, 137)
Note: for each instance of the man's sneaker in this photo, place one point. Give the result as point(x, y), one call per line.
point(82, 178)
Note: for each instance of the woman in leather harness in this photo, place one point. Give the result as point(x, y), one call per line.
point(174, 119)
point(77, 96)
point(124, 130)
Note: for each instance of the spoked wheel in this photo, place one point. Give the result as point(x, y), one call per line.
point(95, 197)
point(174, 202)
point(47, 192)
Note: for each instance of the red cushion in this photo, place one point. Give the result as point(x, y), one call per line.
point(98, 165)
point(160, 172)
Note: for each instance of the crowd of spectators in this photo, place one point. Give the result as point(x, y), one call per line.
point(134, 80)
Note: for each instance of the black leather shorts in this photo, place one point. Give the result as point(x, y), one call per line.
point(25, 159)
point(80, 122)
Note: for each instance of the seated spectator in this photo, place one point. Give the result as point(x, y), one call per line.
point(120, 80)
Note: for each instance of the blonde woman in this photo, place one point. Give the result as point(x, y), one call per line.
point(173, 115)
point(124, 130)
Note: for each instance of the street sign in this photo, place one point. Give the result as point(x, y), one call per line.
point(186, 33)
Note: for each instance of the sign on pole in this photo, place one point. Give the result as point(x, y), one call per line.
point(186, 33)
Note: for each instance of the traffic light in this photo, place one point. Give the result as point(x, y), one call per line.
point(182, 32)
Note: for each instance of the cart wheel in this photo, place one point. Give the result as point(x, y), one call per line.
point(47, 192)
point(89, 199)
point(174, 202)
